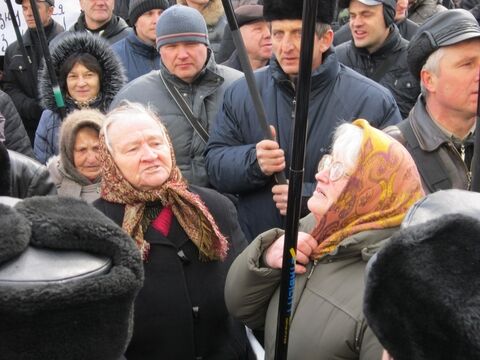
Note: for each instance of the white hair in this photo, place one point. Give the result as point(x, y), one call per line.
point(347, 141)
point(432, 65)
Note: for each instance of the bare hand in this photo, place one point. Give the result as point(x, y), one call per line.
point(305, 245)
point(280, 197)
point(270, 157)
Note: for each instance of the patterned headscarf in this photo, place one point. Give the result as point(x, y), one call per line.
point(383, 186)
point(190, 211)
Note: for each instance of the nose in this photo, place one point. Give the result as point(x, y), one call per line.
point(148, 154)
point(92, 157)
point(81, 81)
point(323, 176)
point(182, 52)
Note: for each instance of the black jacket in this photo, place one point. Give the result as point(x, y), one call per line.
point(404, 87)
point(180, 313)
point(20, 83)
point(115, 30)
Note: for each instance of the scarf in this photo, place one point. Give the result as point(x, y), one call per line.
point(383, 186)
point(190, 211)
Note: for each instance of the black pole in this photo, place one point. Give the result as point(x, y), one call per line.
point(287, 284)
point(28, 60)
point(57, 93)
point(247, 70)
point(476, 149)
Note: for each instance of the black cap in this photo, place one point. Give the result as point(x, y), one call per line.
point(49, 2)
point(139, 7)
point(292, 10)
point(246, 14)
point(389, 8)
point(442, 29)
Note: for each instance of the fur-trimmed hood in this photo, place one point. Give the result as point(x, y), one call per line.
point(113, 77)
point(211, 13)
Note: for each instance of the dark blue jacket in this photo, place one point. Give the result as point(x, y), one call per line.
point(137, 57)
point(337, 94)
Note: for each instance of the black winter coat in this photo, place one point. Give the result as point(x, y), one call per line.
point(180, 313)
point(404, 87)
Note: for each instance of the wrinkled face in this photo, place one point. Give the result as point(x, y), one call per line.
point(85, 153)
point(44, 10)
point(367, 25)
point(401, 10)
point(257, 39)
point(286, 36)
point(82, 83)
point(327, 191)
point(97, 12)
point(145, 25)
point(454, 87)
point(184, 59)
point(141, 152)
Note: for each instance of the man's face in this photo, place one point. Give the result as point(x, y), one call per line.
point(44, 10)
point(454, 87)
point(286, 36)
point(258, 41)
point(185, 60)
point(368, 26)
point(97, 12)
point(401, 10)
point(146, 24)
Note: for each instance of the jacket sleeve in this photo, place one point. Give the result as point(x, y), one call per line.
point(42, 147)
point(371, 349)
point(231, 160)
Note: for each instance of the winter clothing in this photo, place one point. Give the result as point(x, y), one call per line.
point(447, 28)
point(46, 140)
point(435, 263)
point(337, 94)
point(22, 177)
point(204, 97)
point(199, 325)
point(137, 57)
point(116, 29)
point(421, 10)
point(121, 8)
point(397, 78)
point(292, 10)
point(50, 2)
point(216, 22)
point(437, 149)
point(247, 14)
point(389, 7)
point(79, 306)
point(140, 7)
point(20, 83)
point(16, 137)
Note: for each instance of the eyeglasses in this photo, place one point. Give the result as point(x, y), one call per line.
point(336, 169)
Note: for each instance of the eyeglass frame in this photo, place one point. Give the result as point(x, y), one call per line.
point(338, 165)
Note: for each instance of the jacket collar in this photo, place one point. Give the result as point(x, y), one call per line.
point(392, 43)
point(140, 47)
point(51, 30)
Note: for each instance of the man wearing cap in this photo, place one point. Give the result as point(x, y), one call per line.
point(439, 132)
point(137, 51)
point(20, 77)
point(256, 37)
point(378, 51)
point(239, 161)
point(187, 90)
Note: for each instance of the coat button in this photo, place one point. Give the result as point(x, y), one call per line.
point(196, 312)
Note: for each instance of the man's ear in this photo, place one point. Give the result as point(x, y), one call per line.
point(428, 79)
point(327, 40)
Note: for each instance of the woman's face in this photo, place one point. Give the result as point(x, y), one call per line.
point(85, 153)
point(327, 191)
point(82, 84)
point(141, 152)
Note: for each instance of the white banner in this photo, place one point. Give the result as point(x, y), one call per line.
point(66, 14)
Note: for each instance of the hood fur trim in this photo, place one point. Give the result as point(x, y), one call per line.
point(212, 13)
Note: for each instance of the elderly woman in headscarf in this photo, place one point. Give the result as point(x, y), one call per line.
point(76, 170)
point(364, 188)
point(187, 235)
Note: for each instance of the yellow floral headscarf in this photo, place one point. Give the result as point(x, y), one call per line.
point(383, 186)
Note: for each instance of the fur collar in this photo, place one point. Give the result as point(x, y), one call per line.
point(211, 13)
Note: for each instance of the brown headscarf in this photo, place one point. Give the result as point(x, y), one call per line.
point(383, 186)
point(190, 211)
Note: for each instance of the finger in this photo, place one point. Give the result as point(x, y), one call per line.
point(267, 145)
point(274, 132)
point(302, 258)
point(300, 269)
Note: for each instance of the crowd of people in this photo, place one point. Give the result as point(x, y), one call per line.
point(152, 124)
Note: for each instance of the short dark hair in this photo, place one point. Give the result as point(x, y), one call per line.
point(86, 59)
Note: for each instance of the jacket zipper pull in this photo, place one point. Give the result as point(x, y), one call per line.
point(294, 105)
point(312, 268)
point(462, 152)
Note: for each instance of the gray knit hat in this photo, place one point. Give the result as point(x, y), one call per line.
point(181, 24)
point(140, 7)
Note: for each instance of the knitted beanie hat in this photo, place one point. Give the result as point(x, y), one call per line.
point(140, 7)
point(181, 24)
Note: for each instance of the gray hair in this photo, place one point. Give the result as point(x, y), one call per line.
point(321, 29)
point(432, 65)
point(347, 141)
point(128, 110)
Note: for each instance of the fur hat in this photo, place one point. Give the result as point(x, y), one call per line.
point(68, 280)
point(181, 23)
point(389, 8)
point(292, 10)
point(139, 7)
point(442, 29)
point(422, 297)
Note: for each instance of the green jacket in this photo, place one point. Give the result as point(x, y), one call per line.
point(327, 318)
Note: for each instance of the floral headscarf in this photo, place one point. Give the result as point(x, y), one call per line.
point(383, 186)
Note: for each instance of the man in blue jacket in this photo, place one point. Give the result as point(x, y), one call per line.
point(239, 161)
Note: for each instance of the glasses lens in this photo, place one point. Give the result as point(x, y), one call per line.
point(336, 171)
point(325, 163)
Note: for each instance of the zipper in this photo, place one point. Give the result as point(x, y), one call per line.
point(315, 262)
point(294, 105)
point(461, 154)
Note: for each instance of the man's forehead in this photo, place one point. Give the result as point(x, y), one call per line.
point(286, 25)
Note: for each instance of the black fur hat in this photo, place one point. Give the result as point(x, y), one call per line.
point(292, 10)
point(68, 279)
point(422, 297)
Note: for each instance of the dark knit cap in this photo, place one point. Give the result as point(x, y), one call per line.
point(442, 29)
point(389, 8)
point(181, 23)
point(292, 10)
point(50, 2)
point(139, 7)
point(68, 280)
point(247, 14)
